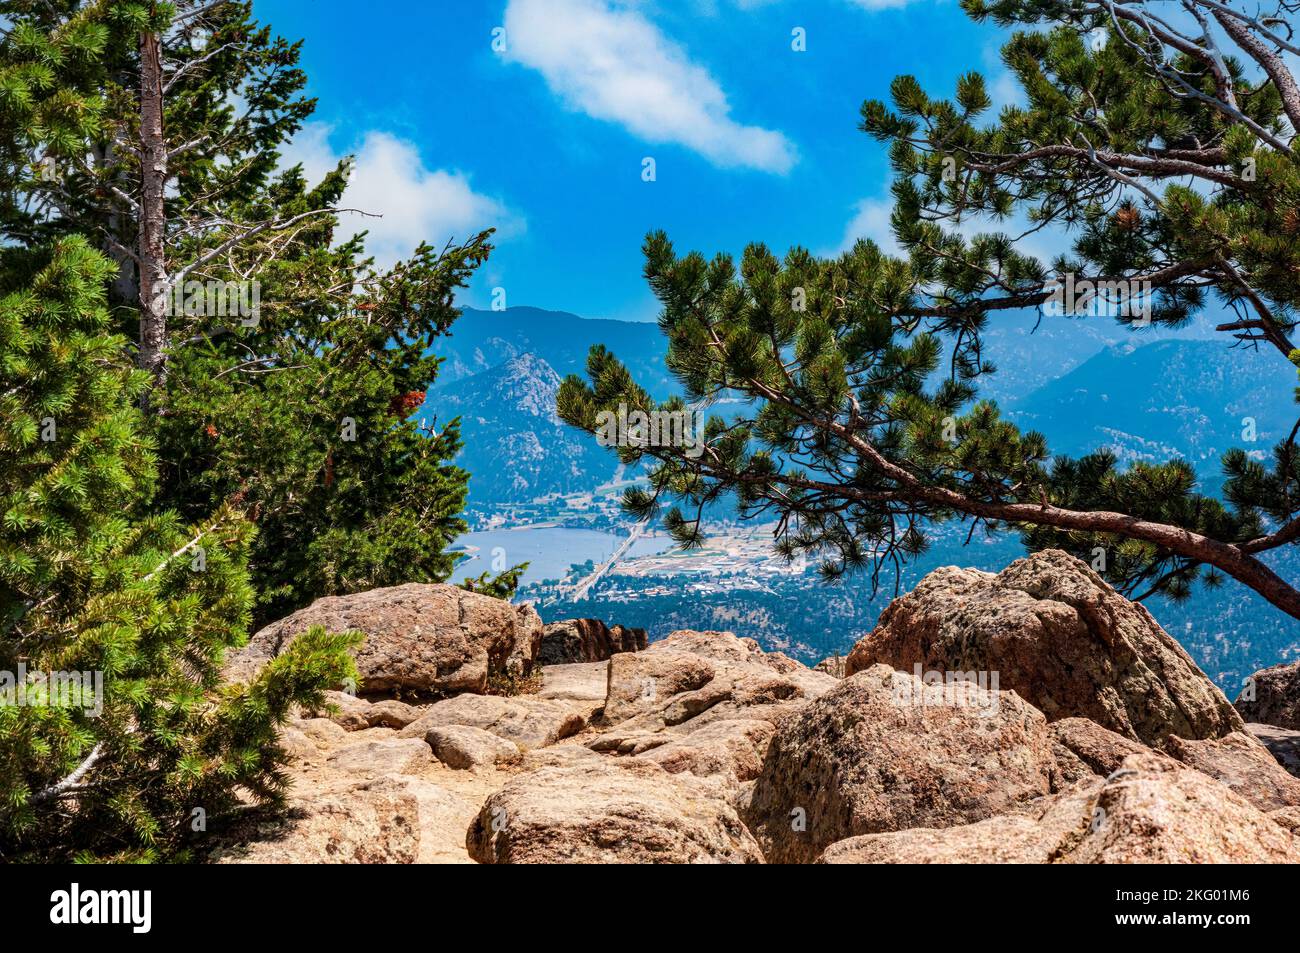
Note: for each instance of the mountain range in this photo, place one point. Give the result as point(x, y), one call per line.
point(516, 447)
point(1150, 402)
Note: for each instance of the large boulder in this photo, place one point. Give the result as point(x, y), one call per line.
point(526, 721)
point(1272, 697)
point(884, 751)
point(421, 638)
point(1056, 633)
point(608, 811)
point(643, 682)
point(1085, 750)
point(587, 640)
point(1151, 810)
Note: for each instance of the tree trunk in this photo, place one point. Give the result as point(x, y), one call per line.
point(154, 285)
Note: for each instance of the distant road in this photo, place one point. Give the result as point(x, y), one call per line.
point(580, 590)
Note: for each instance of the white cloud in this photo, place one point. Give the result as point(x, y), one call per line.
point(871, 220)
point(613, 64)
point(417, 203)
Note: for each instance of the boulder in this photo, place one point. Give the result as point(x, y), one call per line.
point(390, 713)
point(587, 640)
point(298, 745)
point(642, 682)
point(731, 749)
point(699, 677)
point(1272, 697)
point(608, 811)
point(1244, 765)
point(1056, 633)
point(347, 711)
point(884, 751)
point(1085, 749)
point(1282, 744)
point(422, 638)
point(322, 731)
point(370, 822)
point(526, 721)
point(389, 756)
point(583, 682)
point(460, 746)
point(1151, 810)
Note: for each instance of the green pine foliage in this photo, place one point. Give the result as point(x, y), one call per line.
point(96, 580)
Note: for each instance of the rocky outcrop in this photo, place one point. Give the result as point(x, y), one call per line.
point(425, 639)
point(610, 811)
point(357, 714)
point(703, 747)
point(1057, 634)
point(1151, 810)
point(731, 749)
point(883, 751)
point(1272, 697)
point(587, 640)
point(705, 676)
point(643, 682)
point(1085, 750)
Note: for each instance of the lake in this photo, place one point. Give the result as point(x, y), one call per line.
point(549, 551)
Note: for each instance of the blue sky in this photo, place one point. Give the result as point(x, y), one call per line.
point(752, 141)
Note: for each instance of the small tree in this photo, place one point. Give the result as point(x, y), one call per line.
point(116, 738)
point(1169, 161)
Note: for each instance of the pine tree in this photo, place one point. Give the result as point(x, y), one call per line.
point(298, 406)
point(117, 740)
point(1165, 151)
